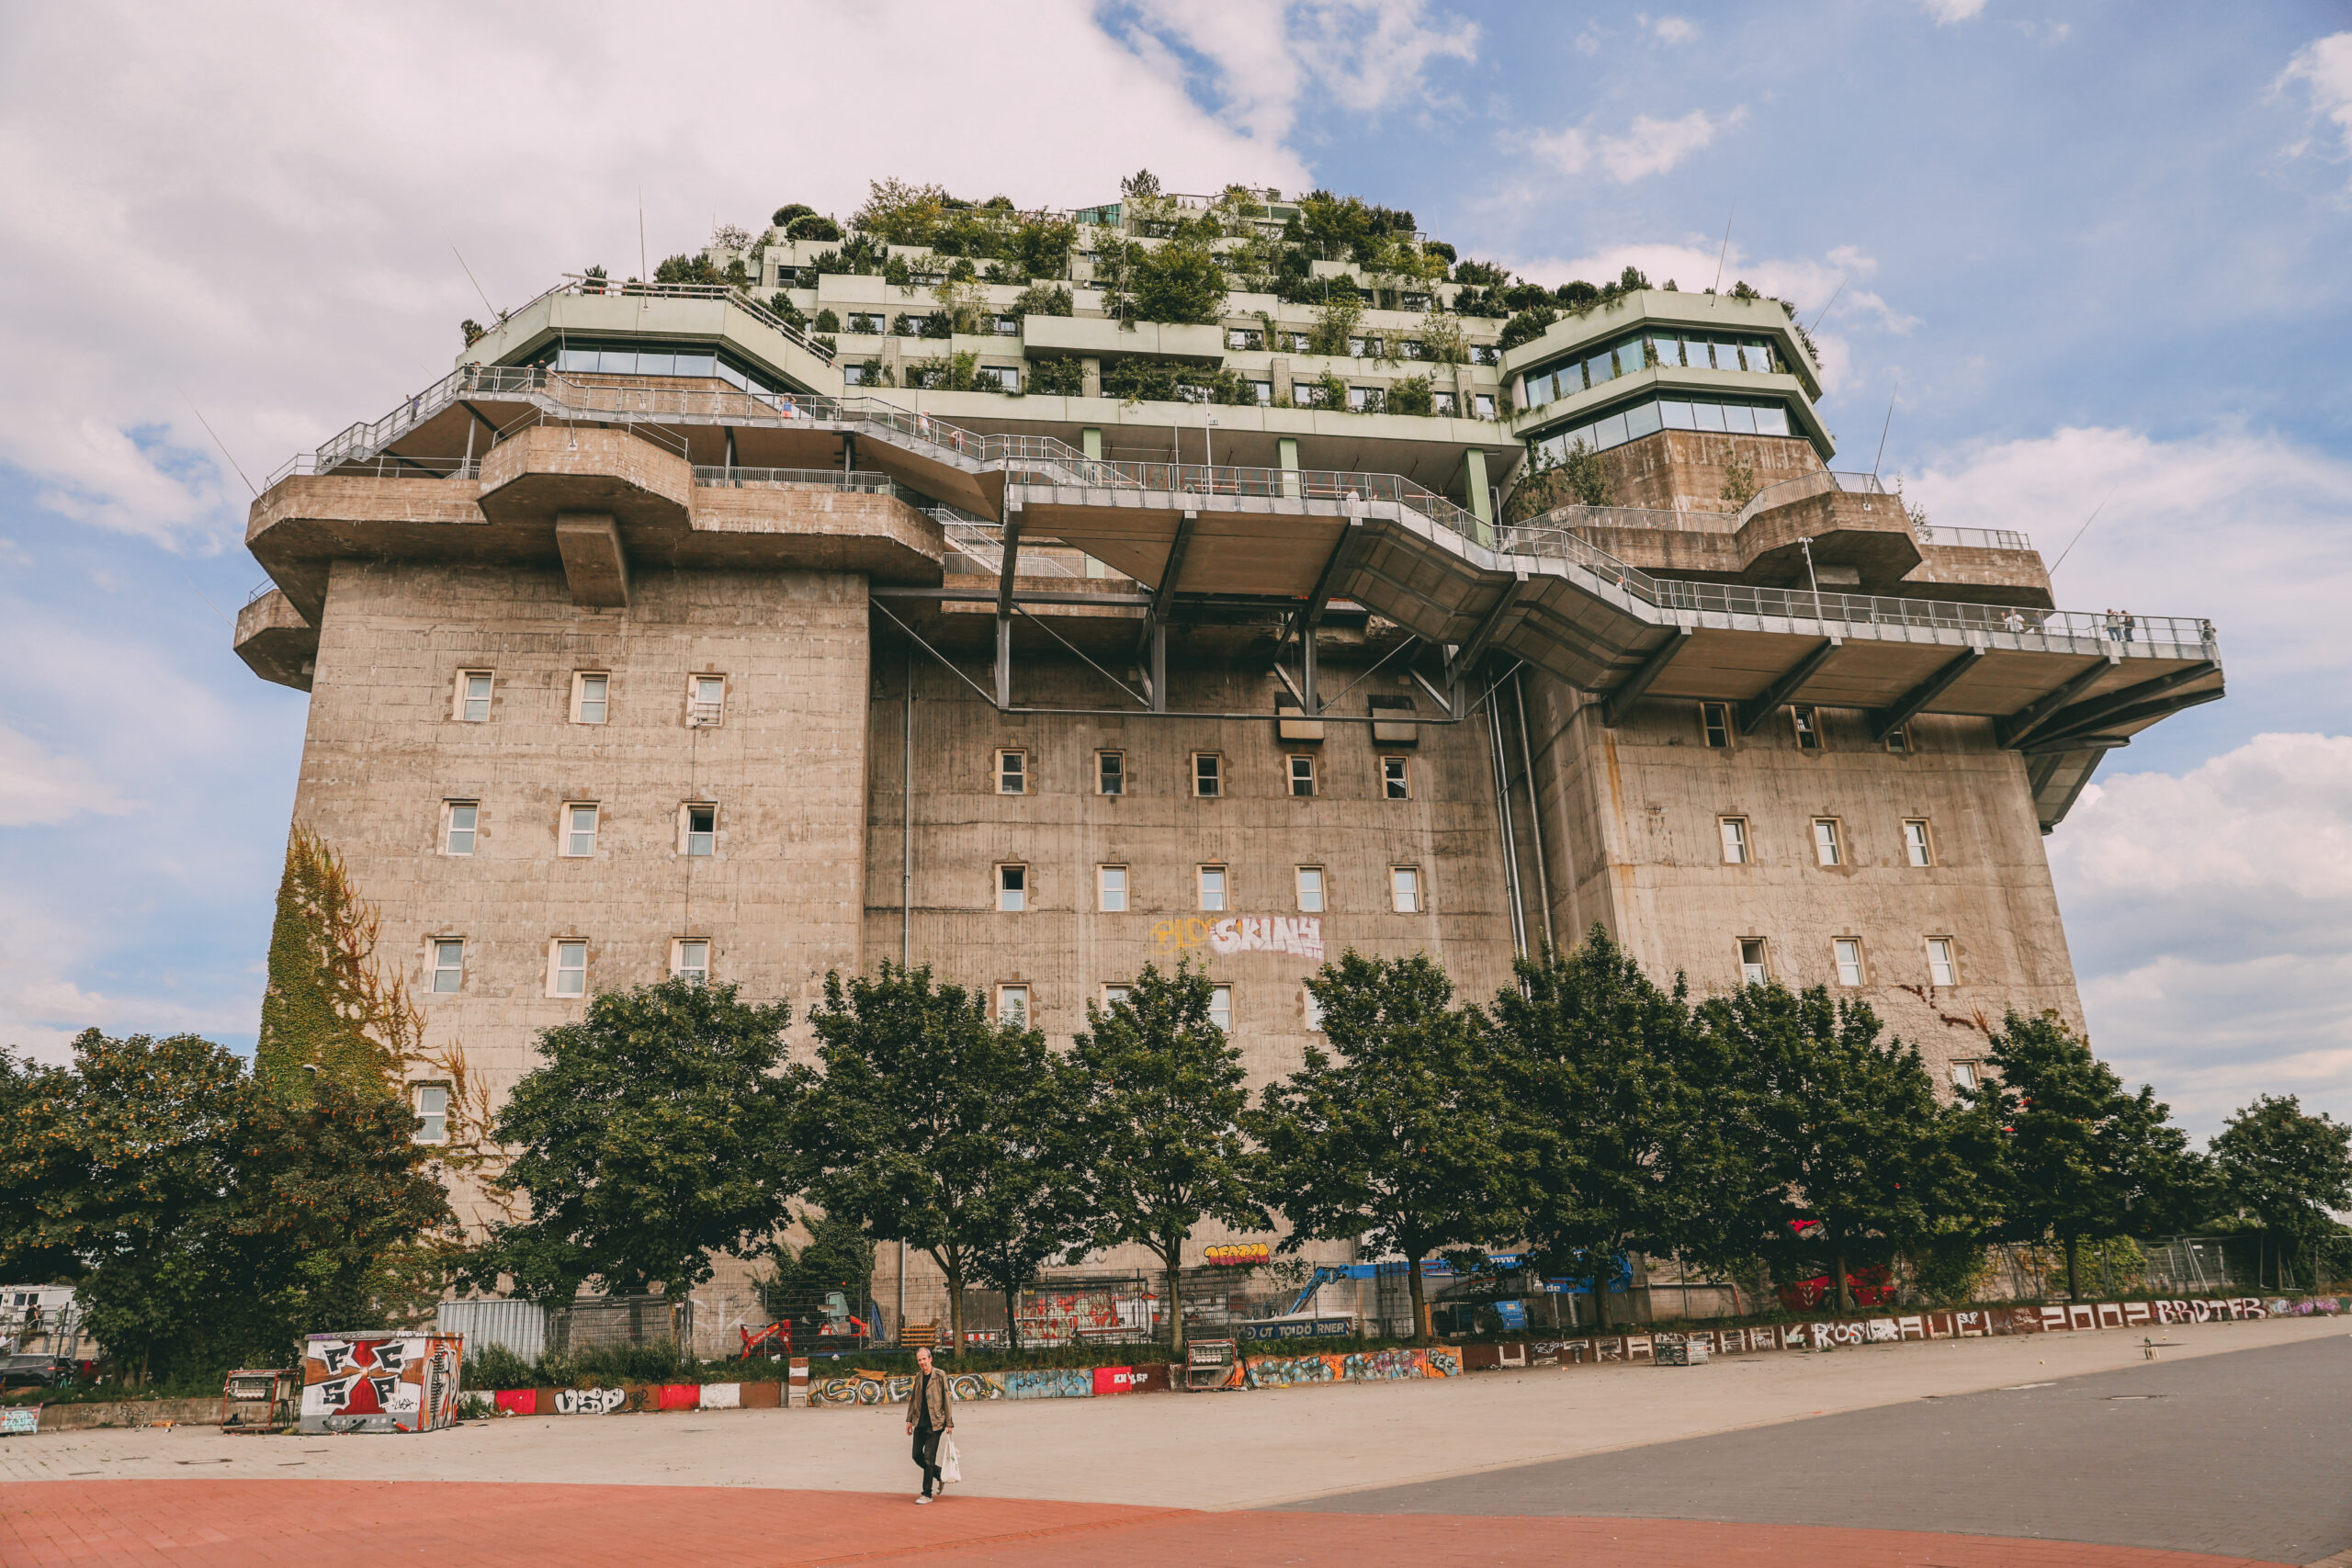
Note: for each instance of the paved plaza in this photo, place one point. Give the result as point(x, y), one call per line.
point(1909, 1454)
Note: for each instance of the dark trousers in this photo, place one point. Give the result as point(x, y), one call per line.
point(927, 1456)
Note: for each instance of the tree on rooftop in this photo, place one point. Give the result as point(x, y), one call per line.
point(1396, 1135)
point(813, 226)
point(1526, 327)
point(1180, 282)
point(2081, 1158)
point(2288, 1169)
point(944, 1127)
point(688, 269)
point(1158, 1136)
point(786, 213)
point(899, 213)
point(655, 1132)
point(1141, 186)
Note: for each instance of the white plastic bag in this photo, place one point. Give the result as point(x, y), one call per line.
point(950, 1466)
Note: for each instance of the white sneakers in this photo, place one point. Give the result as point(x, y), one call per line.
point(921, 1498)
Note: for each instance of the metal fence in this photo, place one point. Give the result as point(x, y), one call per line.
point(608, 1323)
point(519, 1326)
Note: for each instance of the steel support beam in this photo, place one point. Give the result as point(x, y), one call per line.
point(1622, 698)
point(1756, 709)
point(2091, 731)
point(2031, 717)
point(2099, 712)
point(1151, 645)
point(1467, 656)
point(1911, 704)
point(1310, 617)
point(1007, 565)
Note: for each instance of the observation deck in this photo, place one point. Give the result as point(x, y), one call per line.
point(517, 448)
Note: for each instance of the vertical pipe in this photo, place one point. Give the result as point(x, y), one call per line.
point(1497, 758)
point(906, 901)
point(1535, 802)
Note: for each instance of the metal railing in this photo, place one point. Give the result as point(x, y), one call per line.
point(382, 466)
point(1975, 538)
point(725, 292)
point(370, 438)
point(720, 476)
point(983, 544)
point(1626, 517)
point(1822, 481)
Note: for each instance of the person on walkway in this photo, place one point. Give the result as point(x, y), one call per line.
point(928, 1419)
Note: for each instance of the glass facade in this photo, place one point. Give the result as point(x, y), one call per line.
point(1590, 367)
point(1653, 415)
point(668, 359)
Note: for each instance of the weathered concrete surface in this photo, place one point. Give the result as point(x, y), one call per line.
point(275, 642)
point(1233, 1451)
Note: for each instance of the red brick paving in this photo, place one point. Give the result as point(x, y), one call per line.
point(325, 1524)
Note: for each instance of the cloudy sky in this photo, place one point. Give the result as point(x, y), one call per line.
point(2082, 263)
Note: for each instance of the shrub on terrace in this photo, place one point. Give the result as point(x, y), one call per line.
point(1527, 326)
point(1056, 378)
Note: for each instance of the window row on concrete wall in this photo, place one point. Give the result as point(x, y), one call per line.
point(1016, 1003)
point(1830, 844)
point(1206, 776)
point(450, 960)
point(579, 826)
point(1718, 728)
point(1850, 965)
point(1213, 890)
point(476, 696)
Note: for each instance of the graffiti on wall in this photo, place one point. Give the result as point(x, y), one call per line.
point(390, 1382)
point(1360, 1366)
point(1300, 936)
point(896, 1388)
point(589, 1401)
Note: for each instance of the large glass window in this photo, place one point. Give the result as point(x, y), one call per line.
point(1653, 415)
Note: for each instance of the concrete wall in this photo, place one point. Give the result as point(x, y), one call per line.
point(779, 900)
point(1632, 824)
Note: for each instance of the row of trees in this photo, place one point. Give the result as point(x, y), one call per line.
point(1585, 1114)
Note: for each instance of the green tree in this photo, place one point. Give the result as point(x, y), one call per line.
point(1159, 1141)
point(2287, 1168)
point(1396, 1135)
point(2080, 1157)
point(1179, 282)
point(1608, 1083)
point(1842, 1150)
point(655, 1132)
point(935, 1125)
point(685, 268)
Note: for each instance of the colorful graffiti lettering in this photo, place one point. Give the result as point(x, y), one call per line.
point(1301, 936)
point(1049, 1382)
point(380, 1384)
point(589, 1401)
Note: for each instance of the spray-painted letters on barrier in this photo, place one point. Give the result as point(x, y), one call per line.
point(589, 1401)
point(1300, 936)
point(1048, 1382)
point(1360, 1366)
point(894, 1388)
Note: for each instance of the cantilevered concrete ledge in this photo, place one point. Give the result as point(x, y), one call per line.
point(275, 642)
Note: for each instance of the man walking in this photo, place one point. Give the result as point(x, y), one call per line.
point(928, 1419)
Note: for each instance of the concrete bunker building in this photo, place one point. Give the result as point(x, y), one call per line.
point(662, 636)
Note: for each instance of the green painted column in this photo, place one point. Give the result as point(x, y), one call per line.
point(1091, 439)
point(1288, 447)
point(1482, 505)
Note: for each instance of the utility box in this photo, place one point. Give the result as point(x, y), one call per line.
point(1673, 1350)
point(381, 1382)
point(259, 1400)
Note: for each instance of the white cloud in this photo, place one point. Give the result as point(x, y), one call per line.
point(1946, 11)
point(1367, 54)
point(2212, 916)
point(1672, 30)
point(2323, 70)
point(1649, 146)
point(2246, 530)
point(38, 787)
point(251, 204)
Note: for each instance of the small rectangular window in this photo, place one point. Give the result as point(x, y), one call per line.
point(431, 1103)
point(1314, 1011)
point(448, 965)
point(705, 701)
point(1405, 889)
point(568, 968)
point(1754, 966)
point(1221, 1008)
point(1208, 774)
point(1849, 960)
point(458, 832)
point(1110, 889)
point(1808, 727)
point(1940, 967)
point(1310, 890)
point(1110, 772)
point(474, 695)
point(1396, 779)
point(1302, 775)
point(579, 829)
point(1965, 1075)
point(1917, 847)
point(1715, 719)
point(1012, 773)
point(690, 959)
point(1825, 847)
point(702, 829)
point(1483, 402)
point(1735, 831)
point(1011, 889)
point(1211, 886)
point(1898, 741)
point(1012, 1006)
point(589, 693)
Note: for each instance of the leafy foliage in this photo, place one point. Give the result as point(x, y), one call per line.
point(688, 269)
point(1056, 378)
point(656, 1131)
point(1581, 478)
point(2287, 1168)
point(1396, 1135)
point(1042, 299)
point(326, 1013)
point(1179, 282)
point(940, 1126)
point(1526, 326)
point(1157, 1141)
